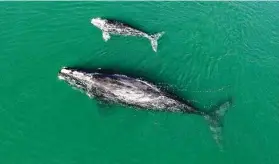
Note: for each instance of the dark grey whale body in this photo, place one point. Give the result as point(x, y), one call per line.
point(134, 92)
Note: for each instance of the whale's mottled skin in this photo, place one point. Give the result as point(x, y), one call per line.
point(124, 90)
point(133, 92)
point(117, 28)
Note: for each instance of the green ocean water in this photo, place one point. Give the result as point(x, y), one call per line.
point(210, 51)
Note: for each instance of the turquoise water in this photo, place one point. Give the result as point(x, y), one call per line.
point(211, 51)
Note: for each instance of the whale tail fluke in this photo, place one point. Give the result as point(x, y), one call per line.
point(215, 119)
point(154, 40)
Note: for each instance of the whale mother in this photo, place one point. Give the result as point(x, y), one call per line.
point(134, 92)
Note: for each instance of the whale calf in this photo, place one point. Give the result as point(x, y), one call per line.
point(137, 93)
point(117, 28)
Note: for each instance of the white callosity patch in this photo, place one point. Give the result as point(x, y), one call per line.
point(77, 79)
point(65, 70)
point(61, 77)
point(98, 22)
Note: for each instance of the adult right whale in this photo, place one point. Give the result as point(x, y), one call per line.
point(137, 93)
point(118, 28)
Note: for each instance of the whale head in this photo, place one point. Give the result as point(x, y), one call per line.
point(98, 22)
point(77, 79)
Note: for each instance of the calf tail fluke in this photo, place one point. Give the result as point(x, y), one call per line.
point(154, 40)
point(215, 119)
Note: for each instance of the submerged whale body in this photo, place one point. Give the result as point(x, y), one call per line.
point(118, 28)
point(134, 92)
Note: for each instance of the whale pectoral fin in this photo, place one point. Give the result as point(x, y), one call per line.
point(104, 108)
point(106, 36)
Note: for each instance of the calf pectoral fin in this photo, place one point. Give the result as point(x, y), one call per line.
point(106, 36)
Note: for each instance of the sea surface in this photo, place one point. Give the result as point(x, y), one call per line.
point(211, 51)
